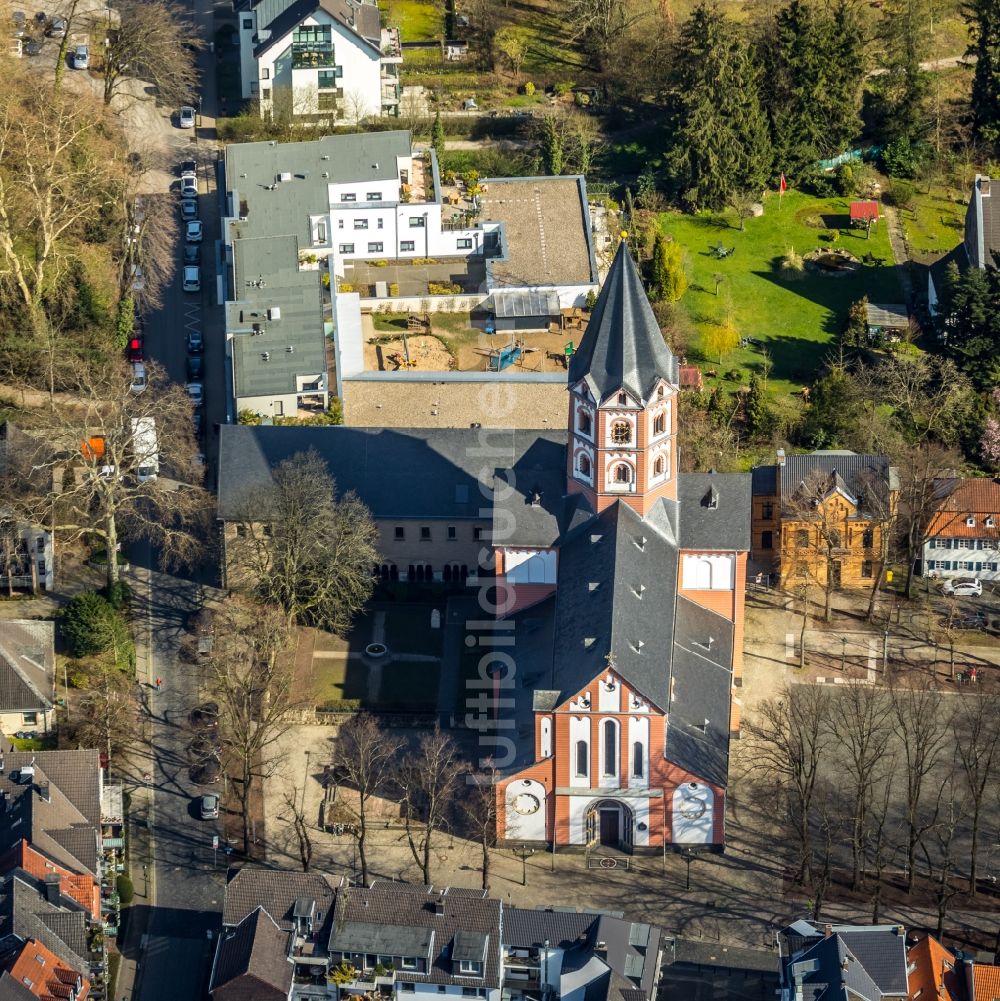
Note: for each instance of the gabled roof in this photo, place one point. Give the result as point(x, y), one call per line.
point(277, 892)
point(985, 982)
point(971, 497)
point(622, 348)
point(359, 18)
point(60, 923)
point(933, 973)
point(27, 665)
point(407, 910)
point(43, 974)
point(255, 950)
point(615, 606)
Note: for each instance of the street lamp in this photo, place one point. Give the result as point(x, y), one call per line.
point(688, 857)
point(524, 853)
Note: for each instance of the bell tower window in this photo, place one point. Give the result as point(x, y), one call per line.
point(659, 423)
point(622, 473)
point(583, 422)
point(583, 465)
point(622, 400)
point(621, 433)
point(659, 466)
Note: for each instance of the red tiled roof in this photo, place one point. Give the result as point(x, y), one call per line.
point(689, 377)
point(985, 982)
point(974, 497)
point(933, 976)
point(85, 890)
point(864, 210)
point(42, 972)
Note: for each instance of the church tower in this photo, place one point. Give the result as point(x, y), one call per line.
point(623, 400)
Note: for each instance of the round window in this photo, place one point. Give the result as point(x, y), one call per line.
point(525, 804)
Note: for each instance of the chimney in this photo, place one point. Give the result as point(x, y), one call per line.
point(52, 888)
point(780, 456)
point(984, 187)
point(827, 931)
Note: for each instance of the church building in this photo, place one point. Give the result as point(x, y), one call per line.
point(626, 602)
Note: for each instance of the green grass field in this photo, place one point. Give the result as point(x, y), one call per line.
point(797, 320)
point(405, 683)
point(935, 225)
point(417, 20)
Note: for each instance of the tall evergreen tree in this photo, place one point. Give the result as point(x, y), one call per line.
point(984, 27)
point(968, 314)
point(719, 139)
point(899, 93)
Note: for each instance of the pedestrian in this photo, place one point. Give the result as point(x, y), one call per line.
point(159, 683)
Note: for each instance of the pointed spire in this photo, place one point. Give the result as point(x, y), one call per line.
point(623, 347)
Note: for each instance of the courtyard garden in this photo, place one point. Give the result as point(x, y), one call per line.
point(760, 283)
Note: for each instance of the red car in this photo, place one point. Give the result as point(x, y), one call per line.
point(134, 350)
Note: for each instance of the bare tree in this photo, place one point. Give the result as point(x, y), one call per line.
point(158, 44)
point(108, 711)
point(976, 732)
point(880, 842)
point(429, 780)
point(367, 757)
point(881, 509)
point(743, 204)
point(602, 23)
point(78, 463)
point(479, 806)
point(923, 488)
point(66, 176)
point(787, 740)
point(942, 853)
point(253, 685)
point(301, 547)
point(920, 723)
point(150, 245)
point(301, 829)
point(860, 727)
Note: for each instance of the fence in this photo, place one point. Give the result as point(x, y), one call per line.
point(427, 304)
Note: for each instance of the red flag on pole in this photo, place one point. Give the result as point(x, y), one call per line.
point(782, 185)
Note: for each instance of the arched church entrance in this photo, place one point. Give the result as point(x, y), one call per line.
point(610, 823)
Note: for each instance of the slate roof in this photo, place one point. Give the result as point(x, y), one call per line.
point(875, 958)
point(701, 679)
point(12, 989)
point(26, 913)
point(27, 665)
point(249, 888)
point(360, 18)
point(764, 480)
point(531, 507)
point(602, 610)
point(448, 471)
point(524, 928)
point(961, 498)
point(724, 526)
point(59, 811)
point(256, 951)
point(413, 907)
point(622, 347)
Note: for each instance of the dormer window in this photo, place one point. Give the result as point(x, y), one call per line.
point(990, 523)
point(470, 968)
point(621, 432)
point(970, 522)
point(408, 963)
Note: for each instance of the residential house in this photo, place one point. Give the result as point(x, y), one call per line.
point(933, 972)
point(982, 981)
point(32, 909)
point(625, 577)
point(329, 58)
point(404, 940)
point(822, 513)
point(27, 675)
point(963, 536)
point(861, 962)
point(300, 217)
point(36, 969)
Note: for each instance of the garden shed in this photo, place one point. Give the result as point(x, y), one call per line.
point(887, 322)
point(526, 310)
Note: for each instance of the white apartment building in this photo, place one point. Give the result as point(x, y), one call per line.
point(324, 57)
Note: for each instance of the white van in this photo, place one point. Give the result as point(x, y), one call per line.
point(146, 449)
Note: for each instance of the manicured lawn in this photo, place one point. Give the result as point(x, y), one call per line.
point(797, 319)
point(936, 224)
point(405, 683)
point(418, 20)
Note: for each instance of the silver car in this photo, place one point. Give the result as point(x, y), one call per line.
point(208, 806)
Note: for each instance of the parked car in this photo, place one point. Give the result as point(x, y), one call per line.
point(134, 350)
point(194, 231)
point(185, 117)
point(209, 806)
point(192, 278)
point(57, 28)
point(195, 367)
point(189, 209)
point(189, 186)
point(81, 58)
point(188, 167)
point(32, 47)
point(19, 23)
point(196, 393)
point(138, 377)
point(963, 587)
point(196, 342)
point(198, 420)
point(192, 253)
